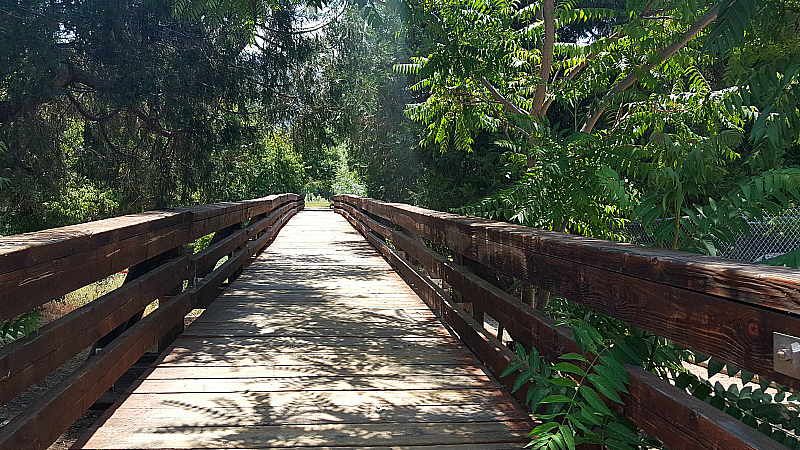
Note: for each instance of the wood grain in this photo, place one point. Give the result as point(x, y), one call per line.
point(306, 355)
point(38, 267)
point(40, 424)
point(707, 304)
point(680, 421)
point(25, 361)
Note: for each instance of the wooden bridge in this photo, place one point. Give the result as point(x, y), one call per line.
point(310, 337)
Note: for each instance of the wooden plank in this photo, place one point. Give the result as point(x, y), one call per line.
point(676, 406)
point(245, 372)
point(324, 383)
point(217, 329)
point(185, 414)
point(269, 361)
point(28, 249)
point(32, 286)
point(260, 400)
point(287, 315)
point(775, 287)
point(320, 347)
point(318, 343)
point(209, 289)
point(27, 360)
point(38, 267)
point(207, 258)
point(298, 436)
point(48, 417)
point(485, 446)
point(41, 423)
point(725, 328)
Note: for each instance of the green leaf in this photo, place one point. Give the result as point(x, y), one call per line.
point(617, 367)
point(513, 367)
point(543, 428)
point(562, 381)
point(522, 378)
point(573, 356)
point(601, 384)
point(718, 402)
point(535, 396)
point(568, 435)
point(521, 354)
point(701, 391)
point(683, 380)
point(589, 416)
point(611, 377)
point(714, 367)
point(732, 370)
point(569, 368)
point(613, 444)
point(591, 397)
point(623, 433)
point(558, 398)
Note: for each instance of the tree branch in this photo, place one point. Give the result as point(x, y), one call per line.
point(499, 97)
point(665, 54)
point(548, 8)
point(582, 65)
point(150, 123)
point(82, 111)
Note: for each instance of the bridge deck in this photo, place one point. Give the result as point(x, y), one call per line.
point(319, 343)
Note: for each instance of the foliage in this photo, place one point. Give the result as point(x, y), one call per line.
point(79, 202)
point(560, 392)
point(351, 98)
point(560, 190)
point(699, 228)
point(759, 38)
point(20, 326)
point(453, 179)
point(125, 102)
point(566, 395)
point(347, 182)
point(3, 149)
point(788, 259)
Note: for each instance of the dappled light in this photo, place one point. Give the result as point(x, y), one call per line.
point(317, 343)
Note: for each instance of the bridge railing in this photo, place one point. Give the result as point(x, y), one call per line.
point(36, 268)
point(722, 308)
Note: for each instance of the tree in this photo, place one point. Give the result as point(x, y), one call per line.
point(497, 66)
point(131, 101)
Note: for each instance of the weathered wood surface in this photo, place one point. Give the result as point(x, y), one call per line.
point(38, 267)
point(727, 309)
point(25, 361)
point(318, 344)
point(42, 422)
point(679, 420)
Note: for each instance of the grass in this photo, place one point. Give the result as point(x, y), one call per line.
point(61, 306)
point(324, 204)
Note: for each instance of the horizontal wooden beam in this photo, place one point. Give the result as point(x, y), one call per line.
point(25, 361)
point(679, 420)
point(38, 267)
point(45, 420)
point(692, 313)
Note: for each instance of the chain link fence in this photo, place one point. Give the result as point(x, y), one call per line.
point(769, 238)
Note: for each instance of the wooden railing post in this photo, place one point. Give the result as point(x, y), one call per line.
point(462, 299)
point(133, 273)
point(726, 309)
point(218, 236)
point(37, 267)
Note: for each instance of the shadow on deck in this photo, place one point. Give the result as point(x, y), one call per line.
point(319, 343)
